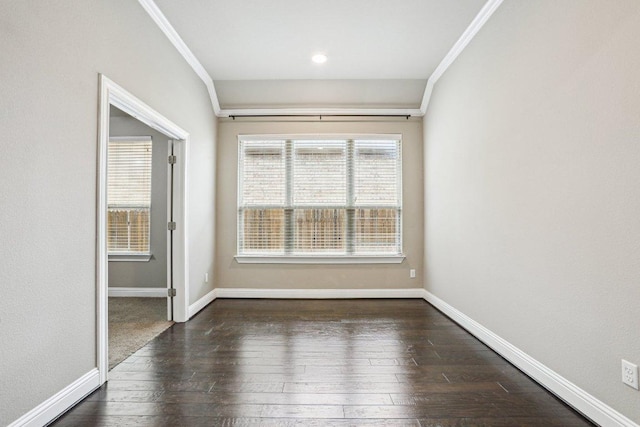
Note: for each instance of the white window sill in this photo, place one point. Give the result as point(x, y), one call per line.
point(129, 257)
point(320, 259)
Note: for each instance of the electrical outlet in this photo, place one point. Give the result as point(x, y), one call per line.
point(206, 277)
point(412, 273)
point(630, 374)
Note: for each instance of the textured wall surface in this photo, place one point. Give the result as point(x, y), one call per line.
point(533, 187)
point(231, 274)
point(51, 58)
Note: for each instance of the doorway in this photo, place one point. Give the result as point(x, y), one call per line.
point(114, 98)
point(138, 239)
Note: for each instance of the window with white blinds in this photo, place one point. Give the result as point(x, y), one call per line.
point(129, 195)
point(312, 197)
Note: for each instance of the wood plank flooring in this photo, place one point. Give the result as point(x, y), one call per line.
point(318, 363)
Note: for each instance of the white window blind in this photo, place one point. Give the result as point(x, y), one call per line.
point(305, 197)
point(129, 195)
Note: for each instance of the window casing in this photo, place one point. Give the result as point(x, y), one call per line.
point(314, 198)
point(129, 197)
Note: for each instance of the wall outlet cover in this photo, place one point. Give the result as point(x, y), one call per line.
point(630, 374)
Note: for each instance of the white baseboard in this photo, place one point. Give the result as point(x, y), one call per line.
point(201, 303)
point(138, 292)
point(318, 293)
point(302, 294)
point(582, 401)
point(60, 402)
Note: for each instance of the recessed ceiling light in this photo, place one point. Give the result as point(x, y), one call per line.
point(319, 58)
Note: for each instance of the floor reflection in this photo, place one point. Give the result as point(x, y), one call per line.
point(318, 362)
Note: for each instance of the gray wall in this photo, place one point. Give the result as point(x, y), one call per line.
point(52, 55)
point(151, 274)
point(533, 187)
point(233, 275)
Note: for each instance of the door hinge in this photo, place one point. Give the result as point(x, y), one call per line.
point(172, 160)
point(171, 292)
point(171, 225)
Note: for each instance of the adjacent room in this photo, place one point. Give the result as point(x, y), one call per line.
point(332, 213)
point(138, 200)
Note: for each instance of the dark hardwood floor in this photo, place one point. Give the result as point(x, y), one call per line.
point(318, 363)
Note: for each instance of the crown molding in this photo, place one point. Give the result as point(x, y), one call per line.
point(163, 23)
point(478, 22)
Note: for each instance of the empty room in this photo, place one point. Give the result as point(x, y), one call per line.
point(320, 213)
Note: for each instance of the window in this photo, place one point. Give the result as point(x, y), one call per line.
point(320, 198)
point(129, 196)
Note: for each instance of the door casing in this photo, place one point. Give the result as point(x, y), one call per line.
point(113, 94)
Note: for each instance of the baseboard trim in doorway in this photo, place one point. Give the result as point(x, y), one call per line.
point(60, 402)
point(576, 397)
point(318, 293)
point(138, 292)
point(201, 303)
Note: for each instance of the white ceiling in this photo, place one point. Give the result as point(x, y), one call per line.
point(381, 52)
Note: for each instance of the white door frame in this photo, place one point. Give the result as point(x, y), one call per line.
point(113, 94)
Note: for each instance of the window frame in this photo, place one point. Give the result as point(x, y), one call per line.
point(128, 256)
point(319, 258)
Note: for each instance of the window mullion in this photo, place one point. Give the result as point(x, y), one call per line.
point(350, 211)
point(288, 209)
point(129, 230)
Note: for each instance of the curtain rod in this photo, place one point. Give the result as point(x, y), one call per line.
point(233, 116)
